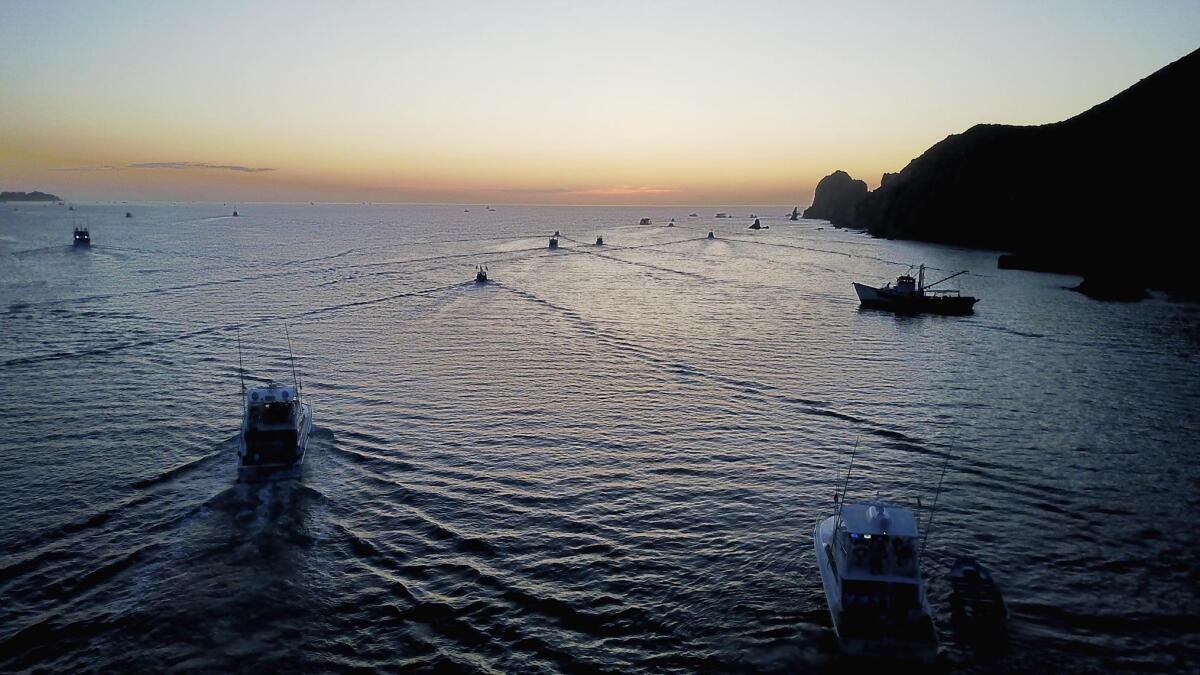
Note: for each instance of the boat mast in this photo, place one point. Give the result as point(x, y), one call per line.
point(946, 279)
point(921, 280)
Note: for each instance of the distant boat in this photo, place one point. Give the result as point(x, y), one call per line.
point(599, 241)
point(70, 208)
point(795, 213)
point(235, 213)
point(712, 235)
point(128, 214)
point(82, 237)
point(722, 215)
point(554, 241)
point(481, 276)
point(644, 221)
point(693, 215)
point(466, 210)
point(912, 296)
point(756, 226)
point(868, 555)
point(276, 425)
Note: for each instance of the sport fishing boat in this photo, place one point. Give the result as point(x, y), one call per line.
point(275, 430)
point(276, 424)
point(554, 241)
point(481, 274)
point(82, 237)
point(913, 296)
point(868, 555)
point(599, 241)
point(644, 221)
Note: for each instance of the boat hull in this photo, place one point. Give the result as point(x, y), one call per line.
point(250, 471)
point(881, 647)
point(906, 303)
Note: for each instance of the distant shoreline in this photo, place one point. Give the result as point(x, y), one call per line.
point(29, 197)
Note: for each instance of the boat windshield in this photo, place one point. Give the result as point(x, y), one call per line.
point(272, 413)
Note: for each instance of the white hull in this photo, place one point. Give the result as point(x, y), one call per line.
point(877, 647)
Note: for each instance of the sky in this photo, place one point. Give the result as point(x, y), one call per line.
point(537, 102)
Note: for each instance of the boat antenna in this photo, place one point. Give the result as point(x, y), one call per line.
point(295, 376)
point(846, 484)
point(241, 371)
point(933, 510)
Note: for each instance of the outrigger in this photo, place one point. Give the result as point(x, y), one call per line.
point(913, 296)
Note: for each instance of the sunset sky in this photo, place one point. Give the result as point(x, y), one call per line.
point(537, 102)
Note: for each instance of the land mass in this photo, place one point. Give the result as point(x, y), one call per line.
point(1106, 194)
point(28, 197)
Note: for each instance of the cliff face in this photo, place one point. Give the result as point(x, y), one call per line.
point(837, 198)
point(1105, 190)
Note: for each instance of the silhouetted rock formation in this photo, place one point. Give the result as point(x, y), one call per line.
point(837, 199)
point(28, 197)
point(1109, 189)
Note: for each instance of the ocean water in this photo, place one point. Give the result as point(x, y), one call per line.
point(611, 458)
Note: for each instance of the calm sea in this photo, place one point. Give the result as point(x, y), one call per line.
point(612, 458)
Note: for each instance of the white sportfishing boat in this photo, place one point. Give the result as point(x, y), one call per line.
point(276, 425)
point(868, 555)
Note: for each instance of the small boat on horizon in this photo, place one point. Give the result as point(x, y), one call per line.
point(554, 241)
point(82, 238)
point(128, 214)
point(644, 221)
point(868, 555)
point(912, 296)
point(481, 275)
point(599, 241)
point(722, 215)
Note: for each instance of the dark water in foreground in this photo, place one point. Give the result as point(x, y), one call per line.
point(611, 459)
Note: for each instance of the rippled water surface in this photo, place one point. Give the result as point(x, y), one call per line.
point(610, 458)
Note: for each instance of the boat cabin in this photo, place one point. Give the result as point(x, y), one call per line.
point(873, 540)
point(905, 283)
point(272, 425)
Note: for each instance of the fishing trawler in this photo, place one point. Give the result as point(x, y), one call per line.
point(913, 296)
point(82, 237)
point(276, 424)
point(868, 555)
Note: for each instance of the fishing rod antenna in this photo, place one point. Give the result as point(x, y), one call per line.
point(933, 509)
point(292, 356)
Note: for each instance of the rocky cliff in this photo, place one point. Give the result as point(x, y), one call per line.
point(1106, 192)
point(837, 198)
